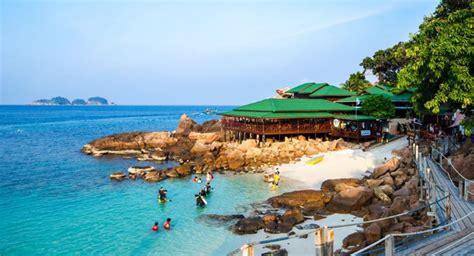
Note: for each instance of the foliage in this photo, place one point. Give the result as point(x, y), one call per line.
point(356, 83)
point(98, 100)
point(385, 64)
point(468, 124)
point(441, 60)
point(378, 106)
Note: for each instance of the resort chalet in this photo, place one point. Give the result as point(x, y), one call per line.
point(311, 109)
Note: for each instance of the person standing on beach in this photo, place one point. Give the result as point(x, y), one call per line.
point(276, 179)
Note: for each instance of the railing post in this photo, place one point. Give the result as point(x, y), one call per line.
point(416, 152)
point(389, 246)
point(447, 208)
point(324, 241)
point(319, 242)
point(461, 190)
point(466, 190)
point(247, 250)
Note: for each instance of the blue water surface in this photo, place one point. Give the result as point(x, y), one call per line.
point(56, 200)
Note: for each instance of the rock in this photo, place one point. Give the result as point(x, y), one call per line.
point(154, 176)
point(404, 191)
point(387, 189)
point(354, 241)
point(171, 173)
point(397, 227)
point(248, 225)
point(373, 183)
point(400, 180)
point(272, 247)
point(372, 233)
point(183, 169)
point(299, 198)
point(308, 226)
point(414, 229)
point(313, 207)
point(158, 155)
point(235, 160)
point(186, 125)
point(140, 170)
point(129, 143)
point(382, 196)
point(293, 216)
point(284, 227)
point(350, 199)
point(338, 185)
point(390, 165)
point(205, 138)
point(118, 176)
point(397, 173)
point(214, 125)
point(270, 219)
point(387, 179)
point(281, 252)
point(400, 204)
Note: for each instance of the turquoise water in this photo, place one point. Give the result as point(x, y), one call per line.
point(55, 200)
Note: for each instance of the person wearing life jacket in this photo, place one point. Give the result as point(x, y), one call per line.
point(167, 224)
point(155, 227)
point(209, 176)
point(276, 178)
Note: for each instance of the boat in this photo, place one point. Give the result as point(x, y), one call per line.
point(315, 160)
point(209, 111)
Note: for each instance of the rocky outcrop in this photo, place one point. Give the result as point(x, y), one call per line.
point(338, 185)
point(200, 148)
point(118, 176)
point(350, 199)
point(248, 225)
point(301, 198)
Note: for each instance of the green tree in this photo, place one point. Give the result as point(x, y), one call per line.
point(441, 59)
point(378, 106)
point(356, 83)
point(385, 64)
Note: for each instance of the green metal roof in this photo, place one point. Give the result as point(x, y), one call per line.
point(271, 115)
point(353, 99)
point(331, 90)
point(378, 91)
point(355, 117)
point(294, 105)
point(310, 89)
point(299, 87)
point(402, 97)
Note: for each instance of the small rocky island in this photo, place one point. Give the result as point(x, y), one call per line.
point(61, 101)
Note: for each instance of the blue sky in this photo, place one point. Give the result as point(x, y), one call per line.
point(190, 52)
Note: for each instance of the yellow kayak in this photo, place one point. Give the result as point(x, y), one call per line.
point(315, 160)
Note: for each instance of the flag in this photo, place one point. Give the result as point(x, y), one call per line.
point(357, 101)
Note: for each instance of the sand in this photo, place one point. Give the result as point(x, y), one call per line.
point(347, 163)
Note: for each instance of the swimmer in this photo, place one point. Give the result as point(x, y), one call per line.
point(155, 227)
point(209, 176)
point(208, 187)
point(162, 195)
point(199, 200)
point(167, 224)
point(203, 192)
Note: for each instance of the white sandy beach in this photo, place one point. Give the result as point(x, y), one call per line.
point(339, 164)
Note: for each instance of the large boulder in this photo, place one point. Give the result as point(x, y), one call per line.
point(350, 199)
point(248, 225)
point(140, 170)
point(186, 125)
point(400, 204)
point(390, 165)
point(299, 198)
point(354, 241)
point(154, 176)
point(338, 185)
point(373, 233)
point(292, 216)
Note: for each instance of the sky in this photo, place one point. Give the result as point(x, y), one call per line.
point(190, 52)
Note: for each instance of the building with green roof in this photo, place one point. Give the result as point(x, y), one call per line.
point(311, 111)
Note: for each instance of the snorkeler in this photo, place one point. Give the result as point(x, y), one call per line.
point(162, 195)
point(203, 192)
point(208, 187)
point(155, 227)
point(167, 224)
point(200, 200)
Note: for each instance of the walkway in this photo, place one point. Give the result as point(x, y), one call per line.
point(459, 239)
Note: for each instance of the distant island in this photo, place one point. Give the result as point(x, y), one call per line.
point(77, 102)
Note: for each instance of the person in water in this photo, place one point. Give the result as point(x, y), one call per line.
point(208, 187)
point(199, 200)
point(203, 192)
point(162, 195)
point(155, 227)
point(276, 179)
point(167, 224)
point(195, 179)
point(209, 176)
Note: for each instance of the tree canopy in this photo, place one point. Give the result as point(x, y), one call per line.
point(356, 83)
point(441, 61)
point(378, 106)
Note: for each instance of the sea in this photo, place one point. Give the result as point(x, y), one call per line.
point(54, 200)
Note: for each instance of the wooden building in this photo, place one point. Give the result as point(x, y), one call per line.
point(298, 116)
